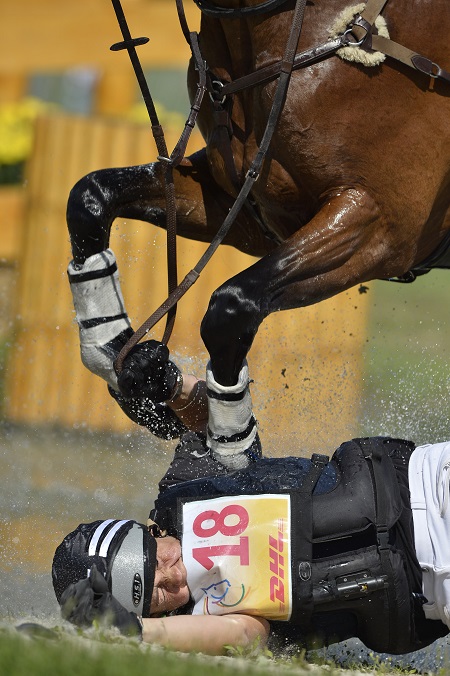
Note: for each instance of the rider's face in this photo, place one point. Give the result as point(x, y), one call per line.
point(170, 590)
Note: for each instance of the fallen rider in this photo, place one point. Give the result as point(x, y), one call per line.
point(242, 548)
point(315, 550)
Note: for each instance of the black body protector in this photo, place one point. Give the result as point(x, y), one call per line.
point(352, 553)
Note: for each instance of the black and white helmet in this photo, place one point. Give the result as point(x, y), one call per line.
point(122, 550)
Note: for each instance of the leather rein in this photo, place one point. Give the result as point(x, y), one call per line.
point(359, 33)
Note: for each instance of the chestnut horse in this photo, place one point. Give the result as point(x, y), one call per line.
point(355, 184)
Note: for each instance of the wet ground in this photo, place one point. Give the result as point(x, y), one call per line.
point(52, 480)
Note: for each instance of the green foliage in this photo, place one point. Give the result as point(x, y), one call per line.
point(383, 668)
point(252, 652)
point(65, 656)
point(17, 132)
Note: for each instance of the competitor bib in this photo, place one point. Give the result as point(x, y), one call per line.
point(237, 555)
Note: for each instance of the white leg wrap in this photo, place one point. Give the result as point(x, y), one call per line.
point(100, 311)
point(231, 425)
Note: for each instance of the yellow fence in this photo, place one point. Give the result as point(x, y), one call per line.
point(306, 364)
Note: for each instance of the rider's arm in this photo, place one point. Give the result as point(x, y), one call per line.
point(89, 601)
point(191, 405)
point(208, 634)
point(188, 410)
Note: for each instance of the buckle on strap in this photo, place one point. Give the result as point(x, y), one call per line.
point(215, 94)
point(362, 23)
point(426, 66)
point(347, 42)
point(382, 537)
point(360, 35)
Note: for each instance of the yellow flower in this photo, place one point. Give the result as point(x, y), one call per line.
point(16, 128)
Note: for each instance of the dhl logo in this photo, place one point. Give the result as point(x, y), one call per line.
point(277, 565)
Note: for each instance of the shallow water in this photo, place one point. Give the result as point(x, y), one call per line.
point(52, 480)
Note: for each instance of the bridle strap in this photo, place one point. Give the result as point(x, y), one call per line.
point(130, 44)
point(271, 72)
point(409, 58)
point(176, 291)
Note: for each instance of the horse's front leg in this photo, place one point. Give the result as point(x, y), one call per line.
point(345, 243)
point(136, 192)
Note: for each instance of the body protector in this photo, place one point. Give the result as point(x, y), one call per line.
point(343, 541)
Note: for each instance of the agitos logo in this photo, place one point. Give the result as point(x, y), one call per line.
point(277, 566)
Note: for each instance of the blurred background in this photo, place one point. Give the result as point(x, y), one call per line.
point(371, 361)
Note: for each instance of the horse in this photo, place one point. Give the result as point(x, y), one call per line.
point(353, 186)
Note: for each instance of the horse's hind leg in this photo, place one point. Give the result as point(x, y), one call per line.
point(345, 243)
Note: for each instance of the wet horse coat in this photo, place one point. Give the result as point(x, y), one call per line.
point(355, 185)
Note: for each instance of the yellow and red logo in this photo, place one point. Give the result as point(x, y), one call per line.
point(277, 566)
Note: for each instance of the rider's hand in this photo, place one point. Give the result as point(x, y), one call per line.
point(90, 600)
point(147, 372)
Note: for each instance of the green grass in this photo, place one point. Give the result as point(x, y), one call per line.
point(62, 655)
point(21, 657)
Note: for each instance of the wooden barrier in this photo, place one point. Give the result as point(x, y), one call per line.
point(306, 364)
point(11, 216)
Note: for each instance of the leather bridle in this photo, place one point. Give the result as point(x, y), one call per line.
point(251, 176)
point(359, 33)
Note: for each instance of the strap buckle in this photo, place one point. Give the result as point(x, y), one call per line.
point(383, 537)
point(252, 173)
point(214, 95)
point(347, 42)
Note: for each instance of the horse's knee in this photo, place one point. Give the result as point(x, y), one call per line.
point(87, 217)
point(228, 329)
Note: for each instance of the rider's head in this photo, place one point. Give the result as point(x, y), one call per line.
point(146, 575)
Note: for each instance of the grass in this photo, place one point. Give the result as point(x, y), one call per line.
point(58, 653)
point(61, 655)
